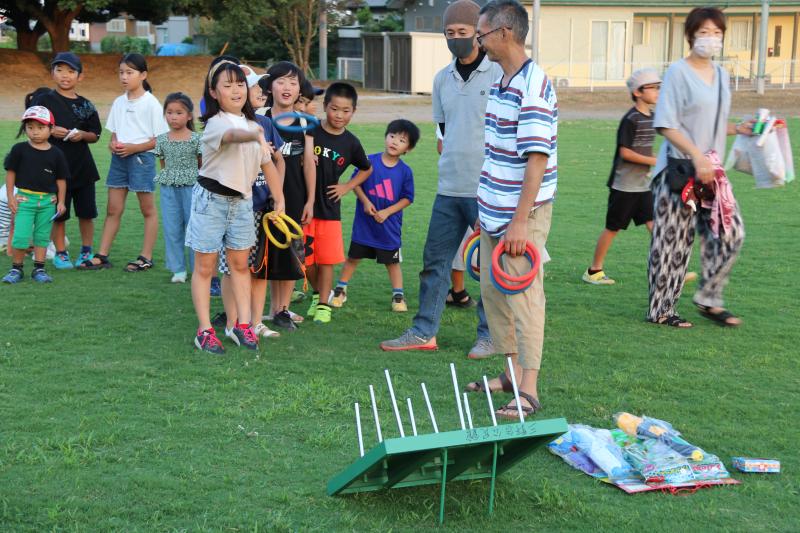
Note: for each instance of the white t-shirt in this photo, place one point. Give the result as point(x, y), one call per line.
point(136, 121)
point(234, 165)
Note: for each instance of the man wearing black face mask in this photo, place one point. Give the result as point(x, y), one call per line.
point(460, 93)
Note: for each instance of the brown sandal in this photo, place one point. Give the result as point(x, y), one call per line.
point(477, 386)
point(511, 412)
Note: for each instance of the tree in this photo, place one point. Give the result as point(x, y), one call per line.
point(27, 36)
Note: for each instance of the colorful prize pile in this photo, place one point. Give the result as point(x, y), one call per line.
point(642, 454)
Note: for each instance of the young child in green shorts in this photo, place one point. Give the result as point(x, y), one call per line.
point(39, 172)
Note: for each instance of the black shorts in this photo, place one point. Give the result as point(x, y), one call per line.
point(383, 257)
point(626, 206)
point(83, 198)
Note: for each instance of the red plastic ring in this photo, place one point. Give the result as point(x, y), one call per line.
point(508, 281)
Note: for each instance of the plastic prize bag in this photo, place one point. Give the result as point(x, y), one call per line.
point(782, 133)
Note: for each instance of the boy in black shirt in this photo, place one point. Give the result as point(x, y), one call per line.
point(39, 172)
point(335, 149)
point(77, 126)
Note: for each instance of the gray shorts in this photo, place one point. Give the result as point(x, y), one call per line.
point(219, 221)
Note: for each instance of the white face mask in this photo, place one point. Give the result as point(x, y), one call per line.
point(707, 46)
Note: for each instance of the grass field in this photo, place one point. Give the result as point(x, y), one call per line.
point(110, 420)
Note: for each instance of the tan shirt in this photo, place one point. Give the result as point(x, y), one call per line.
point(234, 165)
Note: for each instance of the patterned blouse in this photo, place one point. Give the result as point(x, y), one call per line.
point(180, 160)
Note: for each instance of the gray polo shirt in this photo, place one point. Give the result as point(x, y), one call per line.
point(461, 105)
point(688, 104)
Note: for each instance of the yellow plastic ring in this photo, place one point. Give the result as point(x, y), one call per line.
point(282, 227)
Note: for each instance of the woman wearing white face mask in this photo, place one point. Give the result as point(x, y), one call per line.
point(692, 115)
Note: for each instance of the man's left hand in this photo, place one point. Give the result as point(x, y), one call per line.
point(516, 238)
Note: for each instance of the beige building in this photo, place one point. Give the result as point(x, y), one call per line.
point(598, 43)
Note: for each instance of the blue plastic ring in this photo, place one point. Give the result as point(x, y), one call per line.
point(504, 290)
point(311, 122)
point(470, 252)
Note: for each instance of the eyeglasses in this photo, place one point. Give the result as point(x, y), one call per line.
point(654, 87)
point(480, 36)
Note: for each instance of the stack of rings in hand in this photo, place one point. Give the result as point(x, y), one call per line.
point(307, 122)
point(282, 222)
point(508, 284)
point(472, 248)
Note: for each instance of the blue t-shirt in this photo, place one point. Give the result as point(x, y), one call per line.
point(385, 187)
point(271, 133)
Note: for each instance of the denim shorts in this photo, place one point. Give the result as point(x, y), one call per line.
point(219, 221)
point(135, 172)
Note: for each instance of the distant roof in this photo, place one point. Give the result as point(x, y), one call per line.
point(610, 3)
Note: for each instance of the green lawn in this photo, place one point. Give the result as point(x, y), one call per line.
point(111, 420)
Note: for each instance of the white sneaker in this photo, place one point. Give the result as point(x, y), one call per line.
point(483, 348)
point(178, 277)
point(263, 331)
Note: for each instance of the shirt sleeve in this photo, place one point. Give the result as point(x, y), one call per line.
point(438, 111)
point(627, 132)
point(111, 122)
point(11, 161)
point(159, 149)
point(360, 159)
point(157, 118)
point(196, 137)
point(212, 134)
point(408, 185)
point(669, 101)
point(93, 122)
point(535, 125)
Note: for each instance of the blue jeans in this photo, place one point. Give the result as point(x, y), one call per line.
point(450, 216)
point(176, 208)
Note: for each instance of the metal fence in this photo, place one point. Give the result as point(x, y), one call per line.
point(743, 74)
point(350, 68)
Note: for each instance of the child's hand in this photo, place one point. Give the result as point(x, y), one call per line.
point(335, 192)
point(279, 206)
point(370, 209)
point(12, 204)
point(58, 132)
point(308, 213)
point(61, 208)
point(76, 137)
point(125, 149)
point(381, 216)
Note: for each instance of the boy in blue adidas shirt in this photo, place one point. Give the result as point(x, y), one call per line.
point(378, 222)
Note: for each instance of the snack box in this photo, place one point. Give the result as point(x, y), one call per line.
point(764, 466)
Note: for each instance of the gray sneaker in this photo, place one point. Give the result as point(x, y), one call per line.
point(483, 348)
point(409, 341)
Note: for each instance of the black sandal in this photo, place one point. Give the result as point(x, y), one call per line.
point(674, 321)
point(89, 264)
point(140, 265)
point(720, 318)
point(534, 408)
point(477, 386)
point(460, 299)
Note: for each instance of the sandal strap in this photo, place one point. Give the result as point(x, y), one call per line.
point(507, 385)
point(524, 408)
point(535, 405)
point(459, 296)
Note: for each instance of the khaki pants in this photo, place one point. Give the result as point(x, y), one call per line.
point(516, 321)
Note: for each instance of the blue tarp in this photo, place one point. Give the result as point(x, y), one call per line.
point(178, 49)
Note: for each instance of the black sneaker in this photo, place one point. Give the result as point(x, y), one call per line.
point(220, 320)
point(284, 320)
point(244, 337)
point(207, 341)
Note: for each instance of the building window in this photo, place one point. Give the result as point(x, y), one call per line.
point(142, 28)
point(437, 24)
point(740, 35)
point(776, 43)
point(608, 50)
point(116, 26)
point(638, 32)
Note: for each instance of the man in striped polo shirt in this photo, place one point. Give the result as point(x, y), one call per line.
point(516, 191)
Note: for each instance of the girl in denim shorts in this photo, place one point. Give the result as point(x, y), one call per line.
point(234, 149)
point(135, 121)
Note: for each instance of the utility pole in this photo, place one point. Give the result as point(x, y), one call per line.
point(323, 41)
point(535, 29)
point(762, 48)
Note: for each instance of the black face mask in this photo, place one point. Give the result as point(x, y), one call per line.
point(461, 47)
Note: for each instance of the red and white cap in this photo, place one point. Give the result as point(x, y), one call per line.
point(39, 114)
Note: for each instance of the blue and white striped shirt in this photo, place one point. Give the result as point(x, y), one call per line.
point(520, 119)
